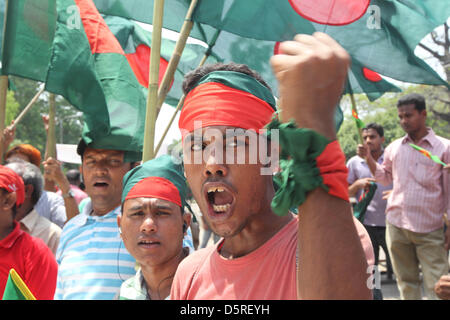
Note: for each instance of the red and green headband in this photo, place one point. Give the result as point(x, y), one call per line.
point(227, 98)
point(155, 187)
point(160, 178)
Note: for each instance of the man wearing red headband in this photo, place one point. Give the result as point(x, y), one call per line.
point(268, 252)
point(153, 223)
point(28, 256)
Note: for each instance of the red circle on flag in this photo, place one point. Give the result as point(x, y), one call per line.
point(276, 48)
point(331, 12)
point(140, 63)
point(371, 75)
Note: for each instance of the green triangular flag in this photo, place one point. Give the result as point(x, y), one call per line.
point(16, 289)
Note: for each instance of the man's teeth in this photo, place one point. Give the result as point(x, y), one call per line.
point(221, 208)
point(215, 189)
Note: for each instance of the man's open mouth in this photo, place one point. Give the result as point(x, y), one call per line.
point(101, 184)
point(220, 199)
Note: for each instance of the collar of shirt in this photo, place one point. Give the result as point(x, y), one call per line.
point(86, 215)
point(30, 220)
point(430, 137)
point(9, 241)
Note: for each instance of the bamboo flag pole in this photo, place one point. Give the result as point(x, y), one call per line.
point(3, 94)
point(50, 149)
point(152, 98)
point(176, 55)
point(27, 108)
point(180, 103)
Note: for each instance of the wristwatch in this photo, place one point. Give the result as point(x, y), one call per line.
point(69, 194)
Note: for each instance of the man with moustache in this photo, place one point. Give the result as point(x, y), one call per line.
point(416, 206)
point(266, 254)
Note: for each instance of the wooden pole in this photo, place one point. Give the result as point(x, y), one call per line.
point(51, 136)
point(180, 103)
point(152, 98)
point(176, 56)
point(3, 95)
point(27, 108)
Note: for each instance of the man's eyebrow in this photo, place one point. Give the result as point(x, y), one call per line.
point(193, 137)
point(135, 207)
point(162, 207)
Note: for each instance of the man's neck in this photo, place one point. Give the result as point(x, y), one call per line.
point(418, 135)
point(6, 228)
point(100, 209)
point(159, 278)
point(376, 154)
point(23, 211)
point(253, 236)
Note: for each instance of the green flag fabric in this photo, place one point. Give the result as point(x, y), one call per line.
point(360, 208)
point(136, 43)
point(428, 154)
point(16, 289)
point(379, 41)
point(67, 45)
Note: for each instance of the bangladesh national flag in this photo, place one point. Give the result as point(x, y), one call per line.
point(16, 289)
point(68, 45)
point(376, 35)
point(136, 43)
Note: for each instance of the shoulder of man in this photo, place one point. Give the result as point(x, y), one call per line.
point(353, 160)
point(38, 250)
point(187, 270)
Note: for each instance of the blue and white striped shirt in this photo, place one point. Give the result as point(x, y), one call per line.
point(93, 261)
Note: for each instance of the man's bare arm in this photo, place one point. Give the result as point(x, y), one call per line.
point(312, 72)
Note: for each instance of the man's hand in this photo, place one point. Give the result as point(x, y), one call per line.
point(53, 172)
point(363, 151)
point(386, 194)
point(447, 168)
point(311, 71)
point(442, 287)
point(8, 135)
point(364, 183)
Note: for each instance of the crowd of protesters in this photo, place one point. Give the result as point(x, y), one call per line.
point(125, 230)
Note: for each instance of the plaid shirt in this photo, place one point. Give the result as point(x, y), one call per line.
point(134, 288)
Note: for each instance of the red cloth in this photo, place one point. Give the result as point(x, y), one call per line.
point(155, 187)
point(331, 164)
point(215, 104)
point(12, 182)
point(32, 260)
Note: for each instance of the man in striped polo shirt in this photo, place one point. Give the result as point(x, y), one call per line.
point(93, 261)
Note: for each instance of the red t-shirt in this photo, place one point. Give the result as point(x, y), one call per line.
point(32, 260)
point(267, 273)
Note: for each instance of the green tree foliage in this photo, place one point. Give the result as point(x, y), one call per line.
point(31, 128)
point(384, 112)
point(12, 108)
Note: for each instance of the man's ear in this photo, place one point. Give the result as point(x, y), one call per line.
point(187, 218)
point(119, 220)
point(8, 201)
point(29, 188)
